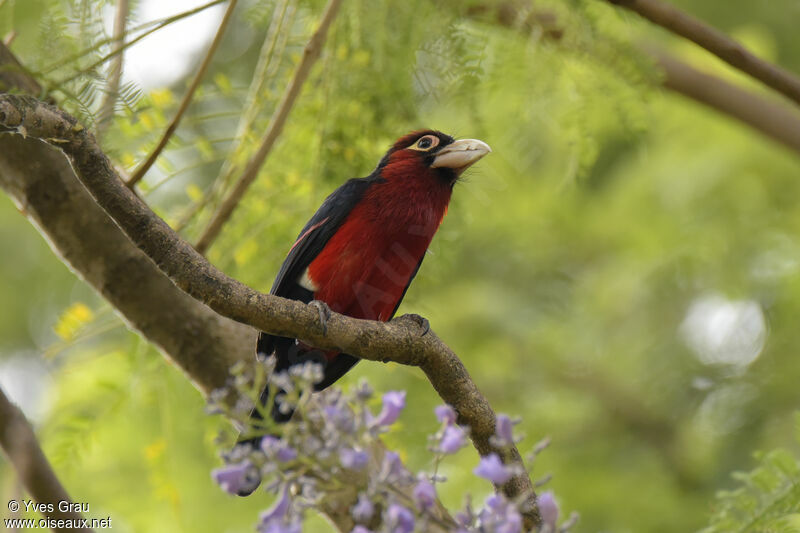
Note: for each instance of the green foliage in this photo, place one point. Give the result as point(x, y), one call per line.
point(563, 274)
point(768, 498)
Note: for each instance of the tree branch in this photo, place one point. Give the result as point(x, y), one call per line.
point(43, 185)
point(311, 53)
point(399, 341)
point(187, 98)
point(774, 119)
point(13, 76)
point(23, 451)
point(41, 182)
point(715, 42)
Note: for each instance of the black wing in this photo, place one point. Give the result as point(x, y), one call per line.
point(310, 242)
point(318, 231)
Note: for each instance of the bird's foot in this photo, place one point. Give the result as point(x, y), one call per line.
point(324, 314)
point(421, 321)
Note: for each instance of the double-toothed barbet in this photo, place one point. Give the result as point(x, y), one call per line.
point(362, 248)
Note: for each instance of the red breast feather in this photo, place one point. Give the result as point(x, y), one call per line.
point(366, 266)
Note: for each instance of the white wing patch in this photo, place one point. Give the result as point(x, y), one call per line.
point(306, 282)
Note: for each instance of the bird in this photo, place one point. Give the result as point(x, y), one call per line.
point(363, 247)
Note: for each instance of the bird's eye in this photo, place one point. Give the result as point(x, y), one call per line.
point(427, 142)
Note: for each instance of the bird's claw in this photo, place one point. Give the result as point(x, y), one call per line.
point(421, 322)
point(324, 314)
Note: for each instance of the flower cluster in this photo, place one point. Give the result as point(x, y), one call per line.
point(327, 448)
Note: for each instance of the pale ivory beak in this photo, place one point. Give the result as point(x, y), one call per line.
point(460, 154)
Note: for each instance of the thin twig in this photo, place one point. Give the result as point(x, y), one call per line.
point(400, 340)
point(14, 76)
point(106, 112)
point(187, 98)
point(141, 27)
point(260, 75)
point(775, 119)
point(9, 38)
point(183, 170)
point(160, 25)
point(715, 42)
point(310, 54)
point(35, 473)
point(247, 117)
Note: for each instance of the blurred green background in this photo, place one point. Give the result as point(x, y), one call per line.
point(622, 272)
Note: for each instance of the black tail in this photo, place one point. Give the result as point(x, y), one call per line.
point(290, 353)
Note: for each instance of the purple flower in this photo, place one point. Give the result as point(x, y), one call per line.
point(495, 503)
point(363, 509)
point(500, 516)
point(548, 508)
point(286, 454)
point(453, 439)
point(392, 468)
point(237, 478)
point(341, 419)
point(353, 459)
point(275, 447)
point(332, 412)
point(511, 522)
point(360, 529)
point(445, 413)
point(399, 519)
point(274, 519)
point(464, 519)
point(424, 494)
point(493, 469)
point(393, 404)
point(503, 430)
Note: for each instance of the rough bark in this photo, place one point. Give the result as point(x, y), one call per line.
point(40, 181)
